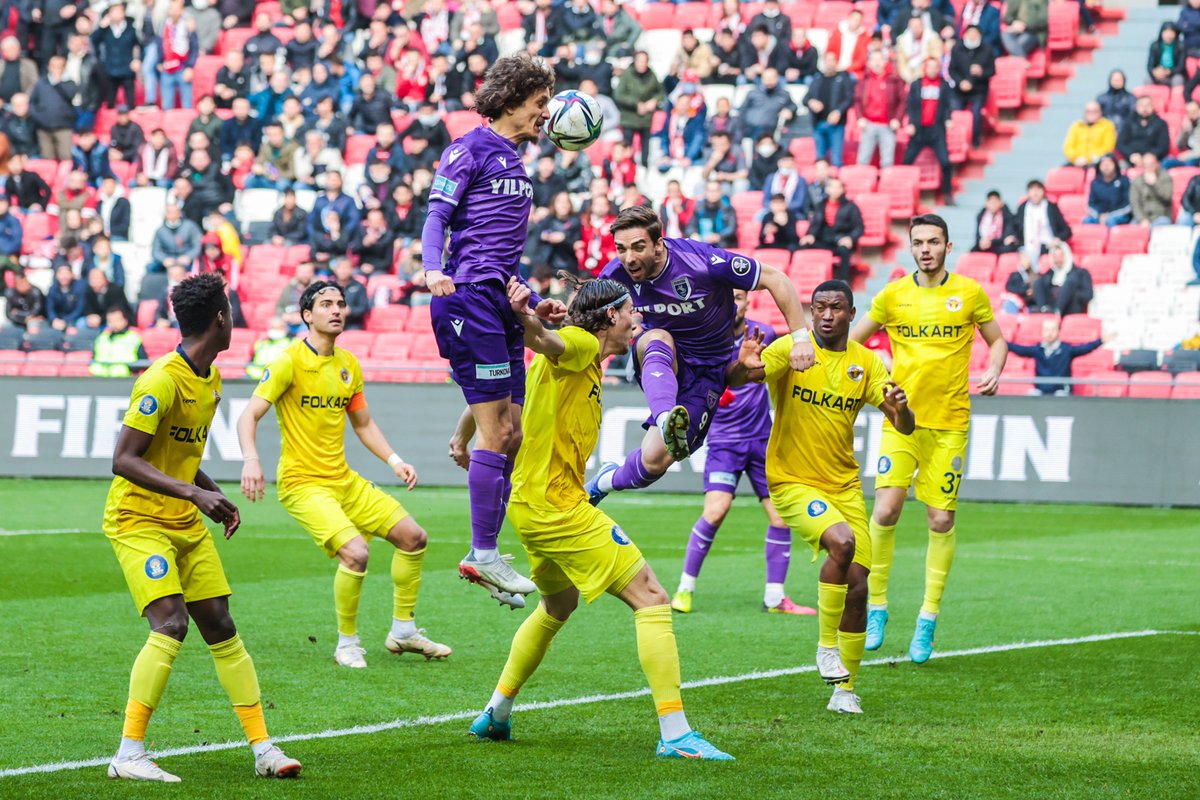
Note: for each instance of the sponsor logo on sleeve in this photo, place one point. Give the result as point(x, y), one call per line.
point(452, 156)
point(266, 376)
point(443, 185)
point(148, 405)
point(492, 372)
point(740, 265)
point(885, 465)
point(619, 536)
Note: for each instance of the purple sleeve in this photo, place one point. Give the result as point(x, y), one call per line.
point(733, 270)
point(433, 235)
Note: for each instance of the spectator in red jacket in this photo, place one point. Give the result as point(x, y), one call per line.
point(849, 42)
point(675, 211)
point(879, 104)
point(596, 244)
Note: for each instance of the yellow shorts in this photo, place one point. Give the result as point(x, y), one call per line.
point(334, 513)
point(158, 563)
point(937, 457)
point(580, 547)
point(810, 512)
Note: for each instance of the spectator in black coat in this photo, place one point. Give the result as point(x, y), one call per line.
point(118, 56)
point(773, 20)
point(800, 59)
point(829, 97)
point(51, 105)
point(371, 107)
point(995, 227)
point(405, 214)
point(547, 182)
point(233, 79)
point(113, 209)
point(1117, 102)
point(28, 189)
point(836, 225)
point(101, 296)
point(1189, 204)
point(429, 123)
point(972, 65)
point(64, 303)
point(728, 60)
point(1064, 288)
point(290, 223)
point(1145, 132)
point(1167, 60)
point(25, 303)
point(263, 41)
point(713, 219)
point(330, 239)
point(1038, 223)
point(779, 227)
point(239, 129)
point(126, 138)
point(761, 51)
point(388, 150)
point(543, 27)
point(928, 116)
point(18, 125)
point(357, 301)
point(373, 243)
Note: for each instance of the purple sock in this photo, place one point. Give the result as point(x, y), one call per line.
point(779, 551)
point(485, 485)
point(703, 533)
point(632, 474)
point(509, 464)
point(658, 377)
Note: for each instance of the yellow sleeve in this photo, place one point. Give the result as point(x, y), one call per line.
point(1109, 142)
point(276, 378)
point(152, 399)
point(878, 313)
point(777, 358)
point(983, 307)
point(877, 378)
point(582, 349)
point(1071, 145)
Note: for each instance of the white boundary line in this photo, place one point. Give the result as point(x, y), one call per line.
point(62, 766)
point(37, 531)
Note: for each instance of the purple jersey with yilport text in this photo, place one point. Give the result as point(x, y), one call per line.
point(749, 415)
point(692, 298)
point(481, 175)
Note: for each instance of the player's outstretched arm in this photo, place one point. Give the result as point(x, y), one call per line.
point(537, 338)
point(253, 481)
point(997, 356)
point(373, 439)
point(129, 463)
point(460, 440)
point(865, 329)
point(895, 408)
point(802, 356)
point(749, 365)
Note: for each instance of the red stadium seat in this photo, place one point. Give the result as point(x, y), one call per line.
point(419, 320)
point(424, 345)
point(159, 341)
point(830, 13)
point(42, 364)
point(1008, 84)
point(1127, 240)
point(746, 204)
point(859, 179)
point(802, 15)
point(357, 342)
point(460, 122)
point(387, 318)
point(958, 136)
point(1152, 385)
point(1103, 268)
point(175, 124)
point(979, 266)
point(1029, 328)
point(357, 148)
point(1064, 180)
point(804, 150)
point(11, 362)
point(147, 119)
point(774, 257)
point(874, 208)
point(46, 169)
point(105, 119)
point(901, 184)
point(204, 75)
point(233, 39)
point(1088, 239)
point(1063, 27)
point(147, 311)
point(1116, 384)
point(391, 346)
point(692, 15)
point(1096, 361)
point(1079, 328)
point(656, 16)
point(1074, 208)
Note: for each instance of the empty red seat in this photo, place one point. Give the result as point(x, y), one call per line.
point(859, 179)
point(1064, 180)
point(1079, 328)
point(746, 204)
point(387, 318)
point(1008, 84)
point(1062, 27)
point(656, 16)
point(460, 122)
point(1089, 239)
point(874, 208)
point(419, 320)
point(1104, 268)
point(692, 15)
point(357, 148)
point(978, 266)
point(902, 187)
point(1126, 240)
point(1152, 385)
point(1074, 208)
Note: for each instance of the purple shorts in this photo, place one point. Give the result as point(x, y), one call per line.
point(478, 333)
point(700, 387)
point(726, 461)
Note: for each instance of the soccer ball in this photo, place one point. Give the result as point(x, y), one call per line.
point(575, 120)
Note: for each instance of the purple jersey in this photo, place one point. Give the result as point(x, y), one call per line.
point(692, 298)
point(481, 175)
point(749, 415)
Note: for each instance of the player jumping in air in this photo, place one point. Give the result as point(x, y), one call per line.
point(153, 521)
point(683, 291)
point(931, 317)
point(315, 386)
point(737, 443)
point(573, 547)
point(820, 496)
point(483, 196)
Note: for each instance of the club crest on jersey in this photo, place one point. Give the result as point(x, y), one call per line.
point(885, 465)
point(740, 265)
point(148, 405)
point(156, 568)
point(266, 375)
point(854, 372)
point(816, 508)
point(953, 303)
point(682, 287)
point(344, 375)
point(619, 536)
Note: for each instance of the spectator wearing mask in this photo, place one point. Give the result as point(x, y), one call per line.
point(176, 242)
point(1116, 102)
point(1038, 222)
point(879, 102)
point(1167, 60)
point(64, 303)
point(1188, 142)
point(829, 97)
point(1027, 21)
point(101, 297)
point(972, 65)
point(1018, 289)
point(714, 221)
point(117, 348)
point(270, 347)
point(1091, 138)
point(1052, 358)
point(429, 123)
point(788, 183)
point(1064, 288)
point(1109, 195)
point(118, 56)
point(11, 236)
point(764, 161)
point(801, 61)
point(849, 43)
point(1151, 193)
point(25, 305)
point(373, 243)
point(637, 96)
point(928, 117)
point(1145, 132)
point(835, 225)
point(995, 228)
point(52, 107)
point(779, 226)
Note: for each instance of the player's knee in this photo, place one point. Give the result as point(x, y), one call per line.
point(940, 520)
point(410, 537)
point(886, 513)
point(657, 595)
point(174, 625)
point(219, 628)
point(840, 546)
point(560, 607)
point(353, 556)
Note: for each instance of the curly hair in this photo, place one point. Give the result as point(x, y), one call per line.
point(593, 298)
point(197, 301)
point(638, 217)
point(510, 82)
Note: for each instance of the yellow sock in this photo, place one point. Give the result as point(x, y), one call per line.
point(850, 647)
point(659, 656)
point(147, 680)
point(347, 590)
point(235, 670)
point(938, 559)
point(529, 646)
point(406, 575)
point(831, 602)
point(883, 549)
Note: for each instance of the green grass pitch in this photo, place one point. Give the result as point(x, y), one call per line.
point(1100, 719)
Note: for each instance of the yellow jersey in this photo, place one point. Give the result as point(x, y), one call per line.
point(561, 422)
point(175, 406)
point(932, 331)
point(312, 395)
point(812, 438)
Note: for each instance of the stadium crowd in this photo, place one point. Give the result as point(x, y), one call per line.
point(278, 141)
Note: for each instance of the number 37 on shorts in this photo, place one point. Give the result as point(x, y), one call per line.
point(938, 459)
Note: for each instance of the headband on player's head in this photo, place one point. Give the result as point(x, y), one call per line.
point(315, 290)
point(620, 301)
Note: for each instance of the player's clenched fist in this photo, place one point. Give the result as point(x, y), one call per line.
point(895, 395)
point(802, 356)
point(441, 284)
